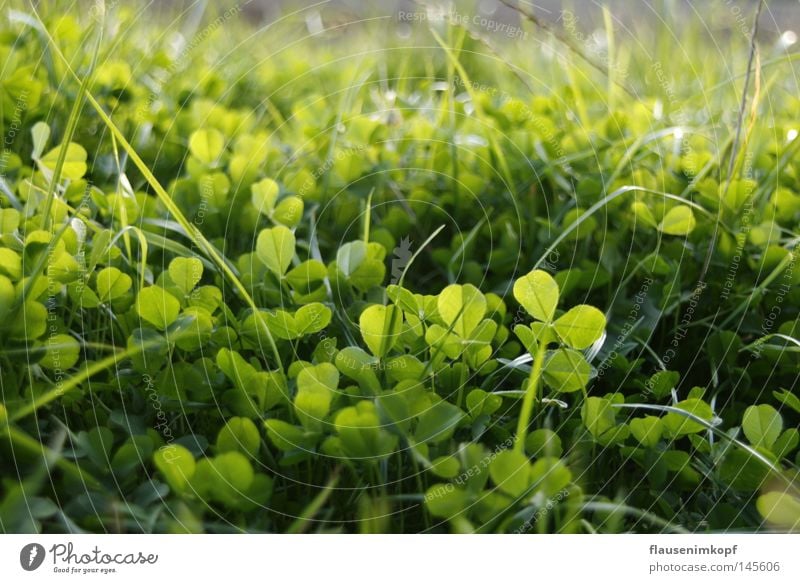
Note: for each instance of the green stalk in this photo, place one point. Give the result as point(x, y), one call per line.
point(72, 125)
point(479, 113)
point(306, 518)
point(22, 440)
point(86, 373)
point(191, 229)
point(531, 392)
point(461, 382)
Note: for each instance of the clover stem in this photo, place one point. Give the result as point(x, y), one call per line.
point(531, 392)
point(461, 383)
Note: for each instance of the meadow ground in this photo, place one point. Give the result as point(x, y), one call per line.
point(418, 271)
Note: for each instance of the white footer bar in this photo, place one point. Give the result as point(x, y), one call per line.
point(401, 558)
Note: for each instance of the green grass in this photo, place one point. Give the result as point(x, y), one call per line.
point(391, 278)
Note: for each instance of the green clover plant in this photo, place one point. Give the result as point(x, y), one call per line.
point(564, 368)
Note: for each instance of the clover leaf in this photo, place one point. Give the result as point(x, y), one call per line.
point(316, 389)
point(580, 327)
point(74, 166)
point(537, 292)
point(157, 306)
point(186, 272)
point(206, 145)
point(361, 433)
point(566, 370)
point(380, 327)
point(678, 221)
point(462, 307)
point(239, 434)
point(111, 283)
point(176, 464)
point(762, 425)
point(511, 472)
point(265, 194)
point(275, 248)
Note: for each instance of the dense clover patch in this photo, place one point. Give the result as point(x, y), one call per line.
point(238, 304)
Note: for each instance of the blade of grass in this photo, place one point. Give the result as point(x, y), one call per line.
point(28, 443)
point(498, 152)
point(417, 252)
point(303, 522)
point(761, 343)
point(566, 41)
point(87, 372)
point(636, 512)
point(735, 146)
point(191, 229)
point(603, 202)
point(72, 125)
point(715, 430)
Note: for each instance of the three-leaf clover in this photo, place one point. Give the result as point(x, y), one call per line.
point(565, 369)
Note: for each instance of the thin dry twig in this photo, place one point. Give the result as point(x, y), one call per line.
point(566, 41)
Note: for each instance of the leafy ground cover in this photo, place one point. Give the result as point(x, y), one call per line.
point(319, 277)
